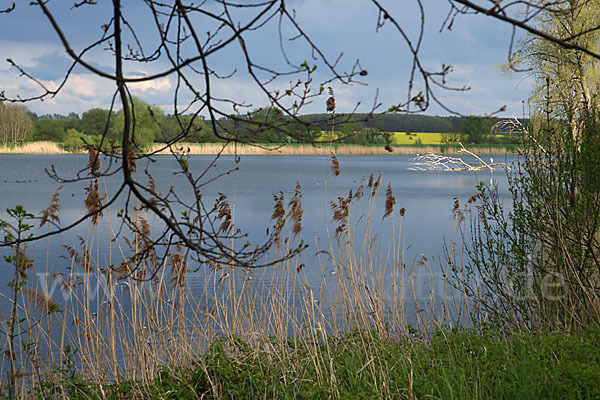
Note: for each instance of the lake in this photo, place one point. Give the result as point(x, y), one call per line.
point(381, 274)
point(427, 196)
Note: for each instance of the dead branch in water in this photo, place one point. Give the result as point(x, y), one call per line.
point(436, 162)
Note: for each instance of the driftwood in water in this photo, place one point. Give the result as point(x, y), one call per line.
point(436, 162)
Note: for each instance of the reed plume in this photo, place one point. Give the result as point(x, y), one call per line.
point(335, 165)
point(93, 164)
point(224, 214)
point(390, 200)
point(52, 213)
point(295, 210)
point(93, 201)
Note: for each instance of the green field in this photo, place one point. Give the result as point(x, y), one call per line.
point(412, 138)
point(405, 138)
point(402, 137)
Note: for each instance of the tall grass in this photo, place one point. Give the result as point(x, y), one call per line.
point(126, 324)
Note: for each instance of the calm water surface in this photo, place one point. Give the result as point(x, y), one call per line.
point(427, 197)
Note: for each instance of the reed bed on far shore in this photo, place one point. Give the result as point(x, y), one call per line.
point(298, 149)
point(309, 149)
point(48, 147)
point(45, 147)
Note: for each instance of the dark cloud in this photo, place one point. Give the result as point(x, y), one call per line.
point(51, 66)
point(54, 66)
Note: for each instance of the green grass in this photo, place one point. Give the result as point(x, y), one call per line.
point(362, 366)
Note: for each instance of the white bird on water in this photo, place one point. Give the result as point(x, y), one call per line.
point(491, 160)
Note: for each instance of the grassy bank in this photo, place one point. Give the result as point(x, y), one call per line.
point(296, 149)
point(363, 366)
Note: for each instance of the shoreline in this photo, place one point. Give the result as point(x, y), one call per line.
point(301, 150)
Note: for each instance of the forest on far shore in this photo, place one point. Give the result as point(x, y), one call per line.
point(267, 125)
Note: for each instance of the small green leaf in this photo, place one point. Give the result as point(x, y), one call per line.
point(183, 163)
point(53, 308)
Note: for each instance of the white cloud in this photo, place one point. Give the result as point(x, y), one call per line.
point(490, 89)
point(161, 85)
point(80, 93)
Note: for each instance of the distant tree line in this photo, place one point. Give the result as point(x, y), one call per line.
point(72, 131)
point(15, 124)
point(397, 122)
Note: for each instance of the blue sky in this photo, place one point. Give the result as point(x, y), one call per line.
point(474, 47)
